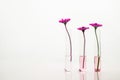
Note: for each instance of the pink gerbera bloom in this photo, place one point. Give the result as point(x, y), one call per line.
point(83, 28)
point(95, 25)
point(64, 21)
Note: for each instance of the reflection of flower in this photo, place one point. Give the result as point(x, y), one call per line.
point(83, 30)
point(82, 76)
point(98, 76)
point(65, 21)
point(96, 25)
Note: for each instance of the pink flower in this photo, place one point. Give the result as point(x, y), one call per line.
point(83, 28)
point(95, 25)
point(64, 21)
point(84, 45)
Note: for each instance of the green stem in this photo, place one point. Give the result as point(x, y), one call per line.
point(98, 63)
point(97, 42)
point(84, 49)
point(98, 49)
point(70, 42)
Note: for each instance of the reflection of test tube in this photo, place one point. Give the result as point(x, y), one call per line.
point(82, 76)
point(68, 75)
point(97, 76)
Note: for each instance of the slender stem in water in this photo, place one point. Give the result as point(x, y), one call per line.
point(70, 42)
point(97, 49)
point(98, 63)
point(84, 49)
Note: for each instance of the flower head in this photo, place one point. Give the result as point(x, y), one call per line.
point(95, 25)
point(83, 28)
point(64, 21)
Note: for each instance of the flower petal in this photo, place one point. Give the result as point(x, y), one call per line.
point(83, 28)
point(95, 25)
point(64, 21)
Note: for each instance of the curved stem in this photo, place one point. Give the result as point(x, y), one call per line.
point(84, 44)
point(70, 43)
point(84, 49)
point(97, 50)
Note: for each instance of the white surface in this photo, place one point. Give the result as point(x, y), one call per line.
point(36, 71)
point(32, 42)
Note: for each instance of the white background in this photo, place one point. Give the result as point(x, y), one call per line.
point(32, 41)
